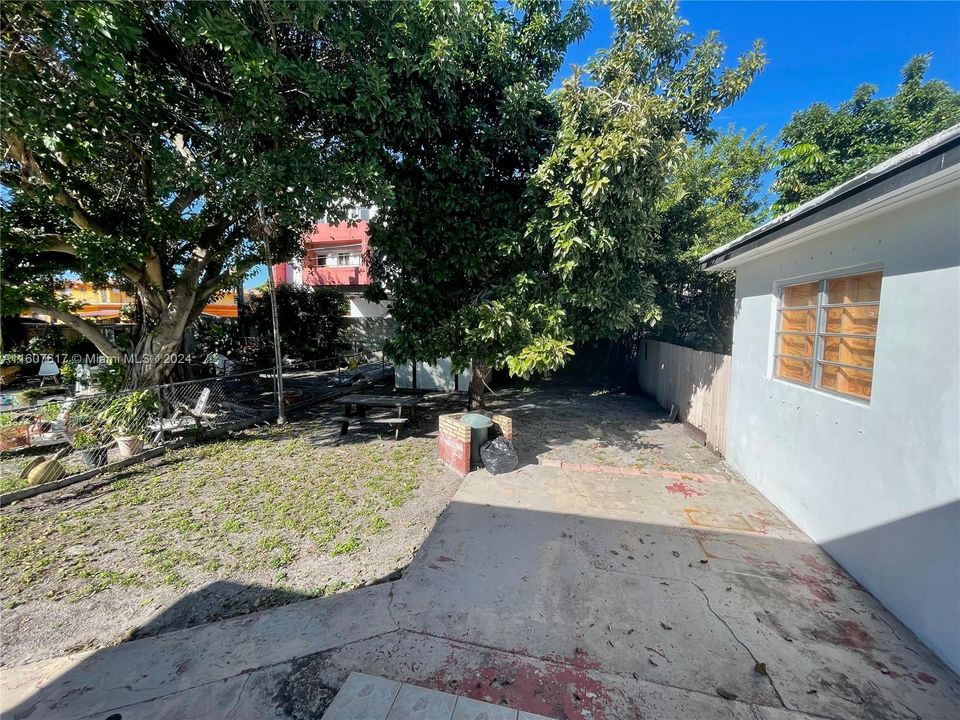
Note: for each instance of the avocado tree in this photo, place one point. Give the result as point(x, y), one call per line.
point(551, 231)
point(823, 147)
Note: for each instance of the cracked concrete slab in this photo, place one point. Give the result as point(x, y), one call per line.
point(144, 670)
point(568, 595)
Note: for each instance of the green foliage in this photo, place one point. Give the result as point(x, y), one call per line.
point(110, 377)
point(310, 319)
point(520, 225)
point(68, 371)
point(151, 145)
point(822, 147)
point(715, 196)
point(128, 414)
point(85, 439)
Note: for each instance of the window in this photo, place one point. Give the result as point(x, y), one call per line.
point(343, 258)
point(827, 333)
point(103, 296)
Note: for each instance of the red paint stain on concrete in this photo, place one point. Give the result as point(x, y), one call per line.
point(579, 659)
point(848, 633)
point(852, 634)
point(681, 488)
point(823, 569)
point(555, 691)
point(925, 678)
point(761, 522)
point(815, 586)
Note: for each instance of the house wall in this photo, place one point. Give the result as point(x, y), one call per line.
point(877, 485)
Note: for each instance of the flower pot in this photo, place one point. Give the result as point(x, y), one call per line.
point(94, 457)
point(128, 446)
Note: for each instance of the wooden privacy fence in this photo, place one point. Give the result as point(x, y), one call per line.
point(695, 382)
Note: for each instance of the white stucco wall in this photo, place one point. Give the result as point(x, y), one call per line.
point(877, 485)
point(434, 376)
point(358, 307)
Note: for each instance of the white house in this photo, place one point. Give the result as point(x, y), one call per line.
point(845, 391)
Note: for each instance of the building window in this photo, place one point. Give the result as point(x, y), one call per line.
point(103, 296)
point(827, 333)
point(343, 258)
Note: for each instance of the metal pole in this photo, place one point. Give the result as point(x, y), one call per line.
point(277, 356)
point(160, 434)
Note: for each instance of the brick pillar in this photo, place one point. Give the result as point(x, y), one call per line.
point(455, 443)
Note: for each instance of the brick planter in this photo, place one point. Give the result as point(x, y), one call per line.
point(455, 438)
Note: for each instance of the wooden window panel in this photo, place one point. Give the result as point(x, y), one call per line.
point(800, 371)
point(796, 345)
point(854, 289)
point(803, 295)
point(849, 350)
point(847, 381)
point(798, 321)
point(826, 333)
point(856, 320)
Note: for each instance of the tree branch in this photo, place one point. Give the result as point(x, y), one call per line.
point(212, 286)
point(88, 330)
point(78, 214)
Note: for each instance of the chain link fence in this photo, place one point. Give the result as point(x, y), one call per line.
point(88, 432)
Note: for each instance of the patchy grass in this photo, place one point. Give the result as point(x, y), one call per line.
point(282, 510)
point(246, 504)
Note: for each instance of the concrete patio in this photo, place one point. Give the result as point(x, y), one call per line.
point(564, 593)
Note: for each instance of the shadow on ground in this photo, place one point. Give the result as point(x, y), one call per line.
point(567, 595)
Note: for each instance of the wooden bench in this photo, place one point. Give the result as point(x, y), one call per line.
point(396, 423)
point(343, 421)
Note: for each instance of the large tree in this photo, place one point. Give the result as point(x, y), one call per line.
point(824, 147)
point(153, 145)
point(552, 234)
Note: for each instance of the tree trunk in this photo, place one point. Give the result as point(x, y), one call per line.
point(478, 387)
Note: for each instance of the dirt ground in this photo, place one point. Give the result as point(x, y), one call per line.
point(276, 515)
point(270, 516)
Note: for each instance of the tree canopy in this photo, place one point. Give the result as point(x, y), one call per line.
point(716, 195)
point(551, 234)
point(152, 145)
point(824, 147)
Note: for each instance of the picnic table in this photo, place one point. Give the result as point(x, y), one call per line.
point(364, 401)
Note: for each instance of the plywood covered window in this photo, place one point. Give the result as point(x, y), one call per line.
point(827, 333)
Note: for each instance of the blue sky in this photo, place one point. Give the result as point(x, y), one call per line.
point(816, 51)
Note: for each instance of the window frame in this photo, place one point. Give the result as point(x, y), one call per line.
point(820, 332)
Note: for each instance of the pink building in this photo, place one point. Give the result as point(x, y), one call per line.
point(334, 255)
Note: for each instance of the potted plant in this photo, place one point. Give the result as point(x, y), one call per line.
point(91, 446)
point(127, 418)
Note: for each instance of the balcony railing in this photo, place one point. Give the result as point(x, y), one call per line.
point(336, 275)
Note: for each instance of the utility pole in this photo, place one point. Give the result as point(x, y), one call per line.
point(277, 355)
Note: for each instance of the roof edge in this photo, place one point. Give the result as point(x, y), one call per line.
point(931, 156)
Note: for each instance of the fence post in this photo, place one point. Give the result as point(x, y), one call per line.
point(160, 434)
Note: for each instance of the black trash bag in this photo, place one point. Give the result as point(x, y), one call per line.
point(499, 456)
